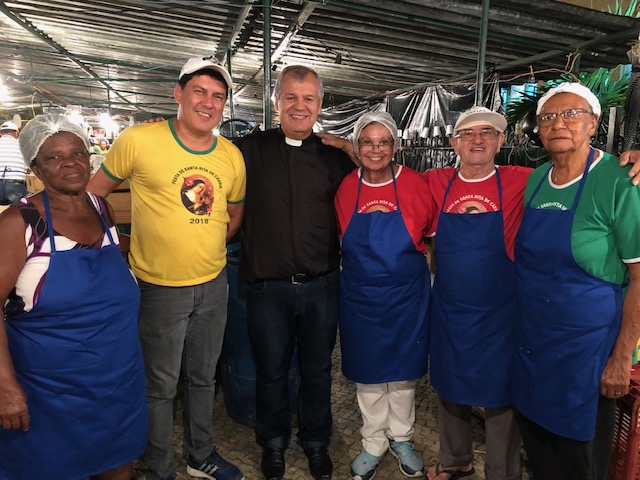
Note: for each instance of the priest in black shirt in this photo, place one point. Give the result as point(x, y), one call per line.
point(290, 259)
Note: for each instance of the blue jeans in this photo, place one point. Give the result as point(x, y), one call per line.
point(181, 327)
point(282, 316)
point(10, 192)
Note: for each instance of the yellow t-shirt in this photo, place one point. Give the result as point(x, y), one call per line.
point(179, 202)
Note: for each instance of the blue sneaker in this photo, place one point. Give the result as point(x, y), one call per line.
point(214, 467)
point(411, 464)
point(364, 466)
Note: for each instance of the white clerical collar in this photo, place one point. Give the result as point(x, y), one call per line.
point(292, 141)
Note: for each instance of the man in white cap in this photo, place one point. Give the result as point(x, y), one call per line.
point(474, 301)
point(188, 189)
point(13, 171)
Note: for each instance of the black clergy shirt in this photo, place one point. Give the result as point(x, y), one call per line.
point(289, 222)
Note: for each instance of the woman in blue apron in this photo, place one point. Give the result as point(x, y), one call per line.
point(383, 211)
point(576, 248)
point(72, 400)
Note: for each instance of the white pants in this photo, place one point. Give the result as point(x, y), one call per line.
point(388, 412)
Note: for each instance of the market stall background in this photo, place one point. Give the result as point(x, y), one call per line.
point(116, 63)
point(122, 58)
point(113, 64)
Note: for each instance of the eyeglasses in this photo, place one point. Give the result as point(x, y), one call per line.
point(369, 145)
point(572, 115)
point(468, 135)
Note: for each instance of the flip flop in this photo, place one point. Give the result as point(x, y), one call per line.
point(454, 474)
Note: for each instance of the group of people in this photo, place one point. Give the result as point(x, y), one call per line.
point(535, 308)
point(539, 287)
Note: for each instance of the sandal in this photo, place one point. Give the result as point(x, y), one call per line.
point(454, 474)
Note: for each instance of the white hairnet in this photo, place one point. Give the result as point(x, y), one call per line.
point(383, 118)
point(575, 88)
point(41, 127)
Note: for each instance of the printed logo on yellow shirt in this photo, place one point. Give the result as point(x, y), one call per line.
point(196, 193)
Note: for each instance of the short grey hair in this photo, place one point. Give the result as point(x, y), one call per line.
point(41, 127)
point(298, 72)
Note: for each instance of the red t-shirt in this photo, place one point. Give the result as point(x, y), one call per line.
point(416, 204)
point(481, 195)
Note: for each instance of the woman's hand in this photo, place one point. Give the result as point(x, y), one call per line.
point(14, 412)
point(614, 382)
point(13, 402)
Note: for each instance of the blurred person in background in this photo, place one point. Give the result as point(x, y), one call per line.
point(13, 171)
point(103, 146)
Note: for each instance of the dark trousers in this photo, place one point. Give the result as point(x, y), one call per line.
point(283, 316)
point(10, 191)
point(553, 457)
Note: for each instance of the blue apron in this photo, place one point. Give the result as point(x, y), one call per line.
point(569, 323)
point(78, 360)
point(384, 297)
point(474, 308)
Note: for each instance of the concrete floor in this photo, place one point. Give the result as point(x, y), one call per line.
point(236, 441)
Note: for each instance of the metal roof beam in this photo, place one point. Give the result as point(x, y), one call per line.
point(237, 28)
point(288, 37)
point(449, 27)
point(625, 34)
point(60, 49)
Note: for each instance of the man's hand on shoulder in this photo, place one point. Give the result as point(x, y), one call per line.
point(154, 119)
point(632, 156)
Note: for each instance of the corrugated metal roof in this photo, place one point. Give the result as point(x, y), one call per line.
point(125, 55)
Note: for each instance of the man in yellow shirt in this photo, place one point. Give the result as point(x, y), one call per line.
point(178, 255)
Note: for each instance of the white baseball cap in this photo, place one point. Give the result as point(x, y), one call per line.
point(9, 126)
point(481, 116)
point(199, 63)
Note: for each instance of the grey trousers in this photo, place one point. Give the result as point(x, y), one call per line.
point(181, 328)
point(502, 461)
